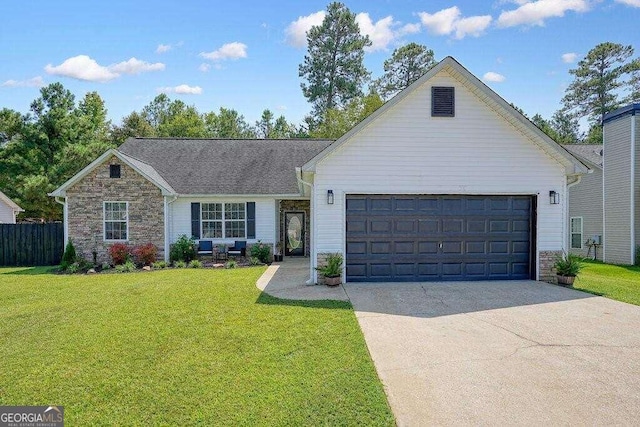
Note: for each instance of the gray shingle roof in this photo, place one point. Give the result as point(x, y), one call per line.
point(589, 152)
point(223, 166)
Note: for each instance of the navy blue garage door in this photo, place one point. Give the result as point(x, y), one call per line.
point(400, 238)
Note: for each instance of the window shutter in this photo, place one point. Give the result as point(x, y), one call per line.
point(195, 220)
point(442, 101)
point(251, 220)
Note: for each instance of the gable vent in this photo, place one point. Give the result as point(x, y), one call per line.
point(442, 101)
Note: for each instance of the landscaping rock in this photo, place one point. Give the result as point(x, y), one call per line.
point(91, 271)
point(147, 268)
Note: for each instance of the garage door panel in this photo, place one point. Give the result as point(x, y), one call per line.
point(438, 237)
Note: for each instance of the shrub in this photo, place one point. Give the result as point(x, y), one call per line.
point(69, 256)
point(255, 261)
point(158, 265)
point(232, 263)
point(83, 264)
point(261, 251)
point(179, 264)
point(333, 266)
point(184, 249)
point(106, 266)
point(145, 254)
point(119, 253)
point(195, 264)
point(568, 265)
point(127, 267)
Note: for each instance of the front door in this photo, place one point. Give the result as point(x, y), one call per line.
point(294, 234)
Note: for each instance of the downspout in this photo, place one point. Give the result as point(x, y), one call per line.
point(567, 224)
point(167, 225)
point(65, 224)
point(312, 240)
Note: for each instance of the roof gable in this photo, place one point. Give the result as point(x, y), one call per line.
point(572, 165)
point(4, 198)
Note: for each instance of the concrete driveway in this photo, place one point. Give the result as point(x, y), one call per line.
point(502, 353)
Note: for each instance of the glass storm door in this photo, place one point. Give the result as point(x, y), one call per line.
point(294, 224)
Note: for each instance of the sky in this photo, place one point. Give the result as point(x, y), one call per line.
point(245, 54)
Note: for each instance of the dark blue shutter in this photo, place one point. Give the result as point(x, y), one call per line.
point(251, 220)
point(195, 220)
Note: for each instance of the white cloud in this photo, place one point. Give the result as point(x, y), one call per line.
point(82, 67)
point(449, 21)
point(569, 58)
point(535, 13)
point(632, 3)
point(204, 67)
point(33, 82)
point(492, 76)
point(380, 33)
point(136, 66)
point(281, 108)
point(409, 29)
point(296, 32)
point(235, 50)
point(181, 90)
point(162, 48)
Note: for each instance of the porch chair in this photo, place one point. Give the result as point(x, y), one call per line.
point(239, 248)
point(205, 247)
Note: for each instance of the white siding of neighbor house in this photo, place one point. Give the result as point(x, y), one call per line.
point(180, 217)
point(617, 191)
point(637, 184)
point(6, 214)
point(406, 150)
point(585, 200)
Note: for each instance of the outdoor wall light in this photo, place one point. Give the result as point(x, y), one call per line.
point(329, 197)
point(554, 198)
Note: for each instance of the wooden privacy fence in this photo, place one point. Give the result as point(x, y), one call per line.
point(31, 244)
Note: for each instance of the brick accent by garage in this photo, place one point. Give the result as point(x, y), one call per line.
point(85, 215)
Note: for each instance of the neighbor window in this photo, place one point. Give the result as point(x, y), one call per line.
point(211, 215)
point(218, 220)
point(576, 232)
point(116, 222)
point(114, 171)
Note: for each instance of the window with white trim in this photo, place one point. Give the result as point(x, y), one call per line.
point(218, 220)
point(576, 232)
point(116, 220)
point(211, 218)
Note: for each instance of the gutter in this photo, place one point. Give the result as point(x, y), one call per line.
point(301, 184)
point(65, 224)
point(167, 225)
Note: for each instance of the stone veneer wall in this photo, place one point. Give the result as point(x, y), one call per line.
point(299, 206)
point(85, 210)
point(547, 271)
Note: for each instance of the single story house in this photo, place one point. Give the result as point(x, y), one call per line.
point(9, 210)
point(446, 181)
point(585, 204)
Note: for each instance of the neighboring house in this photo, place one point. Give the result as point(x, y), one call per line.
point(585, 204)
point(8, 210)
point(446, 181)
point(621, 135)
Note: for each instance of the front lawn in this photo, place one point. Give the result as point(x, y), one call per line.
point(613, 281)
point(182, 347)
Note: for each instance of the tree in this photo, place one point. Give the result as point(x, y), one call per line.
point(566, 128)
point(264, 127)
point(406, 65)
point(182, 121)
point(333, 66)
point(545, 126)
point(337, 122)
point(157, 110)
point(133, 125)
point(634, 87)
point(598, 81)
point(228, 123)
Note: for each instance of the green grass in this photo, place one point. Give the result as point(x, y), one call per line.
point(182, 347)
point(618, 282)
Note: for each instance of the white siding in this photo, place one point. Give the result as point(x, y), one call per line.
point(180, 217)
point(617, 191)
point(585, 200)
point(405, 150)
point(637, 184)
point(6, 214)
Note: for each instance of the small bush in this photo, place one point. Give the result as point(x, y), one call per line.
point(232, 263)
point(127, 267)
point(255, 261)
point(145, 254)
point(333, 266)
point(119, 253)
point(568, 265)
point(179, 264)
point(69, 256)
point(72, 268)
point(261, 251)
point(83, 264)
point(184, 249)
point(106, 266)
point(195, 264)
point(159, 265)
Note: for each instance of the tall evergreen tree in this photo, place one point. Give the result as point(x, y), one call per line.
point(406, 65)
point(334, 64)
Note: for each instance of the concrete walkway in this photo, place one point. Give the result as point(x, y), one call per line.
point(502, 353)
point(287, 280)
